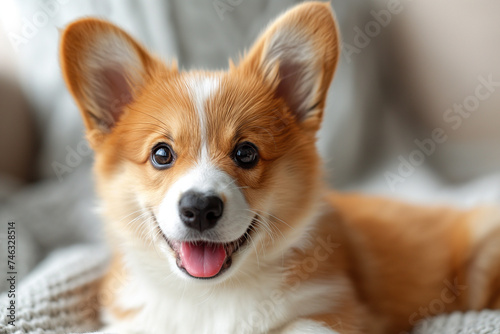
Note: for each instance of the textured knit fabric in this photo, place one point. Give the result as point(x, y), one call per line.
point(485, 322)
point(60, 296)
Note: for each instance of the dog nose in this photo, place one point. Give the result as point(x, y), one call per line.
point(199, 211)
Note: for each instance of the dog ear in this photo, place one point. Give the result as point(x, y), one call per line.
point(298, 55)
point(104, 68)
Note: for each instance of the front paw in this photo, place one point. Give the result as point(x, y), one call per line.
point(115, 329)
point(305, 326)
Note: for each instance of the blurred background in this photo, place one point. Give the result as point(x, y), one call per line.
point(413, 113)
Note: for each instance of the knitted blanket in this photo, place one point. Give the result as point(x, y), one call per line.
point(60, 297)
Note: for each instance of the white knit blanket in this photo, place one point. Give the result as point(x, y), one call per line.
point(60, 296)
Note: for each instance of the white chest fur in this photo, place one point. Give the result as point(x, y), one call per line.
point(257, 304)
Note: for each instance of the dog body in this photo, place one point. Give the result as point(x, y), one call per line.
point(215, 208)
point(358, 270)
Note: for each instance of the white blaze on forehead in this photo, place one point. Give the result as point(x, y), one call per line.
point(201, 88)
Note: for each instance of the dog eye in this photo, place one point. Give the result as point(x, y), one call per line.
point(162, 156)
point(246, 155)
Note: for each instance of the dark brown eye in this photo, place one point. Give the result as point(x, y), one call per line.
point(162, 156)
point(246, 155)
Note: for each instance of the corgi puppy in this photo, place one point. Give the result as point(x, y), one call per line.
point(215, 208)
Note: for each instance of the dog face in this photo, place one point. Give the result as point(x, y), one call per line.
point(204, 171)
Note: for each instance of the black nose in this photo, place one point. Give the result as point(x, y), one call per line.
point(199, 211)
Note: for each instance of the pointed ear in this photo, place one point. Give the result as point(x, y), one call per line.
point(104, 68)
point(298, 55)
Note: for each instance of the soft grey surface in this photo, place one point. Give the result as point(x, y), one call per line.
point(59, 212)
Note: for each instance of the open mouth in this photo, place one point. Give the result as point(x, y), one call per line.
point(206, 260)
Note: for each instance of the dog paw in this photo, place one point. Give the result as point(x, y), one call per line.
point(114, 329)
point(304, 326)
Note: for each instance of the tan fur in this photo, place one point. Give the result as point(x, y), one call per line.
point(395, 257)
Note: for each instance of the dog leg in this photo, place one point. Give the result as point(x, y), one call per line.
point(306, 326)
point(484, 272)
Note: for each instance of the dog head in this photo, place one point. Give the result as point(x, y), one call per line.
point(204, 171)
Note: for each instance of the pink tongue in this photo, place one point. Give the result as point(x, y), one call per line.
point(201, 259)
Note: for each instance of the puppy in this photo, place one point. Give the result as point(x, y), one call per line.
point(216, 211)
